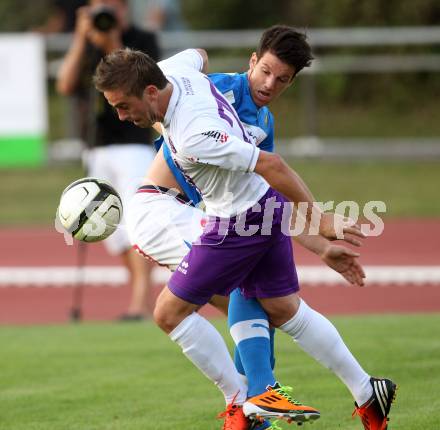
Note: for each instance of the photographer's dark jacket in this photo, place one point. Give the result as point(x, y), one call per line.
point(99, 123)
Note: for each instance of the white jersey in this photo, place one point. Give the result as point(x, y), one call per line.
point(207, 140)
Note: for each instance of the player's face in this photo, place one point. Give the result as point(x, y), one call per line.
point(268, 77)
point(142, 112)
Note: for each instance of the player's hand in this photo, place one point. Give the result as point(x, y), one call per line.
point(334, 226)
point(344, 261)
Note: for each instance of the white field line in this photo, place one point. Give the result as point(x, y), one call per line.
point(116, 276)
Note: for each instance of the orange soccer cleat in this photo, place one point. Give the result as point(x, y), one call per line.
point(234, 418)
point(276, 402)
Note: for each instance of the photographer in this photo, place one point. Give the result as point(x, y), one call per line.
point(118, 152)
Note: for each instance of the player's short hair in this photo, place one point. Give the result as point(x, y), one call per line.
point(288, 44)
point(128, 70)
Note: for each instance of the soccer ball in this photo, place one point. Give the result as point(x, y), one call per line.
point(90, 209)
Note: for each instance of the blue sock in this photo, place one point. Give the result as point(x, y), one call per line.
point(249, 328)
point(238, 363)
point(272, 347)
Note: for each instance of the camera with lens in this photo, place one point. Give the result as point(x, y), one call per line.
point(103, 18)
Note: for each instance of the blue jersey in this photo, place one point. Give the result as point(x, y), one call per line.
point(258, 122)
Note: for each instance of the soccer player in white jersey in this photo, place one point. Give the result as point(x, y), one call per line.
point(161, 226)
point(210, 145)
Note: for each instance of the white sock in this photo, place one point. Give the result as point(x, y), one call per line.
point(317, 336)
point(205, 347)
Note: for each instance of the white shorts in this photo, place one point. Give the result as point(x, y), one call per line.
point(162, 227)
point(124, 166)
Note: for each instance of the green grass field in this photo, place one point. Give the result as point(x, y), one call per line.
point(131, 377)
point(408, 189)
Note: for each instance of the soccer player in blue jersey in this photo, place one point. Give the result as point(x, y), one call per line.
point(250, 93)
point(268, 76)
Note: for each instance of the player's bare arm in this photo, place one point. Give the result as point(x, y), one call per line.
point(280, 176)
point(159, 174)
point(308, 241)
point(344, 261)
point(339, 258)
point(204, 56)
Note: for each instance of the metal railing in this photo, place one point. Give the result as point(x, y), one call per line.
point(325, 63)
point(332, 37)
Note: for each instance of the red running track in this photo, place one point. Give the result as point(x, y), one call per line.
point(404, 242)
